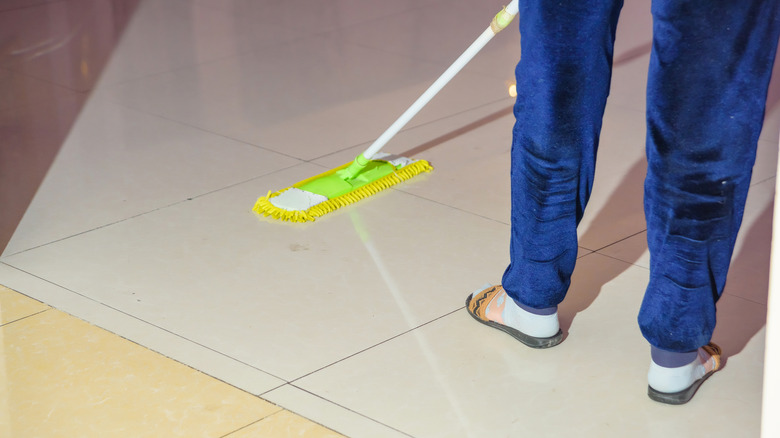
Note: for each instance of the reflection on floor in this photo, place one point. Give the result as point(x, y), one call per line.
point(146, 129)
point(64, 377)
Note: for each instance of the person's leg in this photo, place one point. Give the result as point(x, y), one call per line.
point(563, 82)
point(707, 85)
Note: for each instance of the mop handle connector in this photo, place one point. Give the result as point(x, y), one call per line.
point(357, 166)
point(503, 18)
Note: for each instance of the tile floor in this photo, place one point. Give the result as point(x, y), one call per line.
point(136, 135)
point(64, 377)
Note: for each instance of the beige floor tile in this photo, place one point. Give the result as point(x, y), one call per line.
point(209, 361)
point(14, 305)
point(62, 377)
point(285, 424)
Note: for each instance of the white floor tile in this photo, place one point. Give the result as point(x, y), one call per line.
point(749, 272)
point(449, 29)
point(141, 332)
point(766, 161)
point(454, 377)
point(470, 156)
point(285, 298)
point(305, 99)
point(308, 18)
point(632, 250)
point(18, 90)
point(63, 42)
point(771, 130)
point(19, 4)
point(167, 35)
point(32, 134)
point(331, 415)
point(470, 153)
point(118, 163)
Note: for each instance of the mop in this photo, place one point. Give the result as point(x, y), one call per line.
point(372, 171)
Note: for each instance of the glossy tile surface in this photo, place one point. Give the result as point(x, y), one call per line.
point(51, 55)
point(14, 306)
point(458, 378)
point(64, 377)
point(315, 111)
point(322, 410)
point(132, 163)
point(135, 136)
point(66, 43)
point(270, 275)
point(284, 424)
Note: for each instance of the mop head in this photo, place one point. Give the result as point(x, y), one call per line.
point(321, 194)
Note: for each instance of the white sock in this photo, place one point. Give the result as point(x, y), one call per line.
point(538, 326)
point(665, 379)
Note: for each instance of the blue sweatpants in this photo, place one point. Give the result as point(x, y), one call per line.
point(709, 72)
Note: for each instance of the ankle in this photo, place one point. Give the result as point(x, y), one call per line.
point(539, 325)
point(673, 372)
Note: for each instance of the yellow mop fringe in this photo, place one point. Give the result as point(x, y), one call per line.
point(266, 208)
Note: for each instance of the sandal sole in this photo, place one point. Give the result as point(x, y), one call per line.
point(678, 398)
point(528, 340)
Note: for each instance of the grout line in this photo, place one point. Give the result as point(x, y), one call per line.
point(620, 260)
point(218, 58)
point(768, 178)
point(117, 102)
point(341, 406)
point(246, 181)
point(471, 213)
point(190, 198)
point(365, 144)
point(744, 299)
point(6, 324)
point(248, 425)
point(618, 241)
point(291, 382)
point(256, 48)
point(176, 335)
point(91, 230)
point(164, 357)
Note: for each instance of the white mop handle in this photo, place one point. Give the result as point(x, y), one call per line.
point(434, 89)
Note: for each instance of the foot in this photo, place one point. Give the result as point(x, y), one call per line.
point(494, 308)
point(677, 386)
